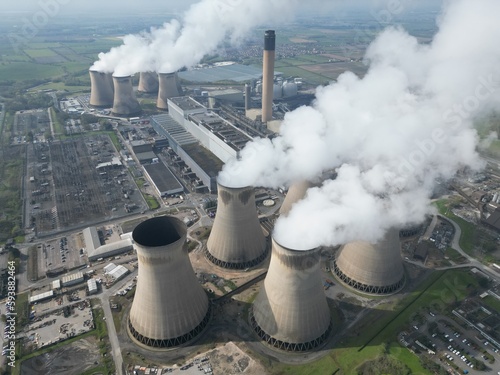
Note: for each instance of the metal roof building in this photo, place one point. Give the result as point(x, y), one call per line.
point(163, 180)
point(72, 279)
point(237, 240)
point(371, 268)
point(170, 307)
point(41, 296)
point(291, 311)
point(114, 248)
point(92, 286)
point(118, 272)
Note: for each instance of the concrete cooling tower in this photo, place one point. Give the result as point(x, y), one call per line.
point(170, 307)
point(125, 103)
point(101, 89)
point(237, 240)
point(148, 82)
point(170, 87)
point(291, 311)
point(372, 268)
point(295, 193)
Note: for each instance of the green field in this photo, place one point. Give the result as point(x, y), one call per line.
point(26, 71)
point(39, 52)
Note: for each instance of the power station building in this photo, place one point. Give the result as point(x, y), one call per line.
point(216, 134)
point(170, 307)
point(237, 240)
point(371, 268)
point(291, 311)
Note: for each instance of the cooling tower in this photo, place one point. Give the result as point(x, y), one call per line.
point(125, 102)
point(268, 75)
point(372, 268)
point(170, 307)
point(291, 311)
point(295, 193)
point(101, 89)
point(148, 82)
point(237, 240)
point(170, 87)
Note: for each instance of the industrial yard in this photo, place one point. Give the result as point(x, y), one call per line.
point(73, 183)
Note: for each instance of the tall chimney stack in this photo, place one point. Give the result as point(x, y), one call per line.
point(268, 75)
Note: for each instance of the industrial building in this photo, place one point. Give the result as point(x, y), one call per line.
point(95, 250)
point(124, 102)
point(371, 268)
point(291, 311)
point(73, 279)
point(212, 131)
point(101, 89)
point(41, 296)
point(92, 286)
point(237, 240)
point(148, 82)
point(170, 307)
point(196, 163)
point(143, 151)
point(164, 182)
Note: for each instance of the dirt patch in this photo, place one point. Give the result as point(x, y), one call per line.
point(71, 359)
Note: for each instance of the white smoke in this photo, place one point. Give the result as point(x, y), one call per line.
point(183, 44)
point(390, 134)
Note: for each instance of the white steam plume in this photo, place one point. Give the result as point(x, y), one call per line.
point(183, 44)
point(390, 134)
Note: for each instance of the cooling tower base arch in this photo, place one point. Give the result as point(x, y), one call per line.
point(237, 265)
point(289, 346)
point(172, 342)
point(369, 289)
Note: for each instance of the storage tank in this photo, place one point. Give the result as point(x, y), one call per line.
point(289, 89)
point(125, 103)
point(237, 240)
point(372, 268)
point(101, 89)
point(291, 311)
point(170, 307)
point(277, 91)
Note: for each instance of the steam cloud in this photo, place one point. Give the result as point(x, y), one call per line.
point(204, 27)
point(390, 135)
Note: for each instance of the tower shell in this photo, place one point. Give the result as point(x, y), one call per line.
point(169, 87)
point(101, 89)
point(296, 192)
point(170, 307)
point(237, 240)
point(148, 82)
point(125, 103)
point(291, 311)
point(371, 268)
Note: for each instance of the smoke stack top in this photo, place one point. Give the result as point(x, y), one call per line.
point(269, 40)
